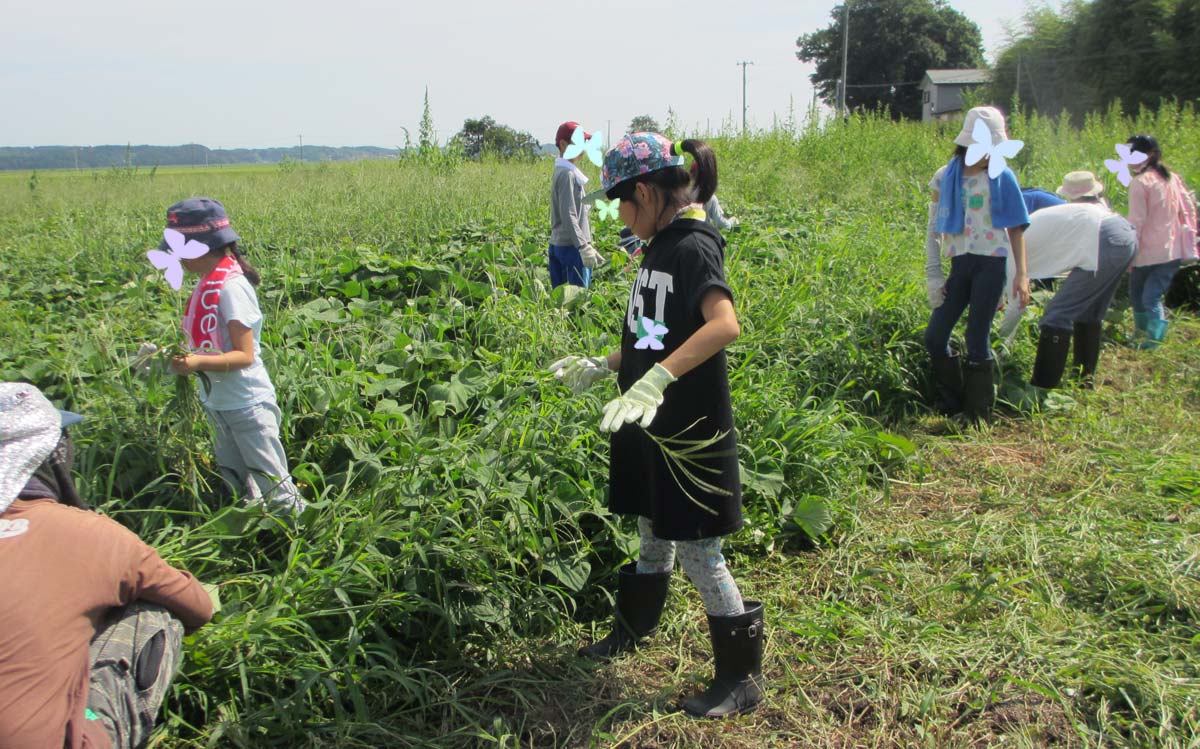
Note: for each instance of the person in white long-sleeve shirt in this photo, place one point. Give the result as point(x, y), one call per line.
point(1094, 247)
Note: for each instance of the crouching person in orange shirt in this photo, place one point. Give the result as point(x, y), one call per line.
point(92, 619)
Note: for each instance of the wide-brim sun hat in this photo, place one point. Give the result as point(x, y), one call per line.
point(632, 156)
point(1080, 184)
point(30, 428)
point(992, 117)
point(201, 219)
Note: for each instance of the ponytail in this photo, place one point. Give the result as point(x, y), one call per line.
point(704, 168)
point(1157, 165)
point(248, 269)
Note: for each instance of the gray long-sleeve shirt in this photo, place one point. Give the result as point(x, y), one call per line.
point(568, 215)
point(715, 215)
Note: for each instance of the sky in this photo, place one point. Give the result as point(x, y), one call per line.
point(253, 74)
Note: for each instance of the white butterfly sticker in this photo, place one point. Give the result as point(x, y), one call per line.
point(10, 528)
point(181, 248)
point(1129, 157)
point(653, 338)
point(593, 146)
point(608, 208)
point(996, 154)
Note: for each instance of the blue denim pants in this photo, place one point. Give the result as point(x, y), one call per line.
point(566, 266)
point(976, 282)
point(1147, 284)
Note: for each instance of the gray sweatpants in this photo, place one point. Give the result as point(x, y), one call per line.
point(251, 456)
point(1085, 295)
point(134, 657)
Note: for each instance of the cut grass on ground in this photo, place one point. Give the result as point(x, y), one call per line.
point(1031, 584)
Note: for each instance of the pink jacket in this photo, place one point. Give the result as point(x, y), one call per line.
point(1162, 215)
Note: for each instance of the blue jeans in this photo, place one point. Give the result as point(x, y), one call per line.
point(566, 266)
point(1147, 284)
point(976, 281)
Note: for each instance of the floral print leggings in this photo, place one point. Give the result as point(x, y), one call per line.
point(702, 562)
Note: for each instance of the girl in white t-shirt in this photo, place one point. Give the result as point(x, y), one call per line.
point(223, 325)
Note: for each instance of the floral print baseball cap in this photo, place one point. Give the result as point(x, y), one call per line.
point(636, 154)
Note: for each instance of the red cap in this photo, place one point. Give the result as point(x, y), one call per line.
point(566, 130)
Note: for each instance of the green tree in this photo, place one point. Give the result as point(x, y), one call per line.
point(892, 44)
point(1091, 54)
point(486, 136)
point(644, 123)
point(1029, 69)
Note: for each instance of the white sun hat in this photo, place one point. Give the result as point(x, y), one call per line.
point(30, 427)
point(992, 117)
point(1077, 185)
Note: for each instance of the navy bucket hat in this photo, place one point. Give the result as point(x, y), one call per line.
point(201, 219)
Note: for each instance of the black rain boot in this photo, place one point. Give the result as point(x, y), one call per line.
point(948, 383)
point(1051, 359)
point(640, 601)
point(737, 687)
point(1087, 352)
point(979, 389)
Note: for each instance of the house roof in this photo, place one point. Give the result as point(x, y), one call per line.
point(958, 77)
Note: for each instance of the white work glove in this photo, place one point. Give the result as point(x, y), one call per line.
point(591, 257)
point(639, 403)
point(936, 290)
point(935, 280)
point(580, 373)
point(733, 222)
point(141, 361)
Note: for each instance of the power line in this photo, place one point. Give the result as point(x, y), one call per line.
point(877, 85)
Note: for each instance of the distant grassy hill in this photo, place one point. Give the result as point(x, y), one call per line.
point(103, 157)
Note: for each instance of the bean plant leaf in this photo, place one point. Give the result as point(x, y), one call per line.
point(813, 516)
point(766, 484)
point(573, 573)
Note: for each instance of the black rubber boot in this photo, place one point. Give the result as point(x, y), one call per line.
point(979, 389)
point(1051, 360)
point(640, 601)
point(948, 382)
point(737, 687)
point(1087, 351)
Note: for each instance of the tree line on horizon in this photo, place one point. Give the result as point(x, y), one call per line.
point(191, 154)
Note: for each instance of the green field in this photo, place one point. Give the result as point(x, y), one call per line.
point(1033, 583)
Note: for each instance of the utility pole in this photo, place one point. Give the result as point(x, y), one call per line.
point(301, 137)
point(845, 50)
point(77, 158)
point(744, 64)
